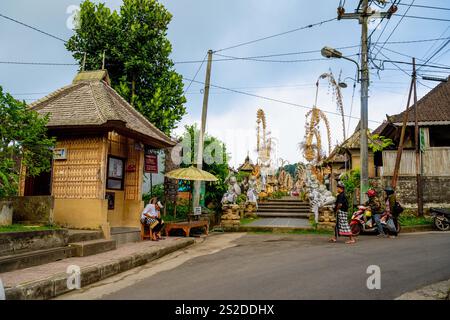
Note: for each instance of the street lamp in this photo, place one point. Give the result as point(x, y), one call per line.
point(328, 52)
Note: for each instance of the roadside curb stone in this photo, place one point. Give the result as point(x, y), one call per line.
point(436, 291)
point(57, 284)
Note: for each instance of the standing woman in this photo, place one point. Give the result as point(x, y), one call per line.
point(341, 207)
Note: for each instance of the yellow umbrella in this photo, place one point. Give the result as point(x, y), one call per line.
point(191, 173)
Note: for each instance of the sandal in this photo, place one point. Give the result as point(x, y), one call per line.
point(332, 240)
point(350, 241)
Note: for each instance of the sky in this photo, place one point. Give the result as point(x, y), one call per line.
point(200, 25)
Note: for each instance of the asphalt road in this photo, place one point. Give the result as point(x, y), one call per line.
point(267, 266)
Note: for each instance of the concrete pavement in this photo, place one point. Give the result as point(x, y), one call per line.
point(49, 280)
point(270, 266)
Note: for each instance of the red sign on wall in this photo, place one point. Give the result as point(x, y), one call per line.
point(151, 163)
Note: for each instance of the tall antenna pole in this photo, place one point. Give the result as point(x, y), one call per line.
point(197, 184)
point(103, 60)
point(83, 66)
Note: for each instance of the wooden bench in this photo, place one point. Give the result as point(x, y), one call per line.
point(187, 226)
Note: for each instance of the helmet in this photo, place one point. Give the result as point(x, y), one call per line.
point(371, 193)
point(389, 190)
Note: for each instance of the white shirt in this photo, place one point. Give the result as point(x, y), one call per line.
point(150, 210)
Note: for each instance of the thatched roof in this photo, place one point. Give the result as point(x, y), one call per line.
point(89, 103)
point(247, 165)
point(432, 109)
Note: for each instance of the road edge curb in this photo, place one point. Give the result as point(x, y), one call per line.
point(56, 285)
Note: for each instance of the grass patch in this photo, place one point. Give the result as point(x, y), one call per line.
point(247, 220)
point(22, 228)
point(415, 221)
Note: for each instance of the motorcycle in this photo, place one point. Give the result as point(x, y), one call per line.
point(441, 218)
point(363, 221)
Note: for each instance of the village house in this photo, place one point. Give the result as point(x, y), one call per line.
point(433, 115)
point(97, 170)
point(346, 157)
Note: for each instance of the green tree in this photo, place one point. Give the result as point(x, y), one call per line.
point(351, 180)
point(23, 137)
point(137, 56)
point(215, 161)
point(378, 143)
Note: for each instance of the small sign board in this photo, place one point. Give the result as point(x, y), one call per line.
point(60, 154)
point(197, 211)
point(151, 163)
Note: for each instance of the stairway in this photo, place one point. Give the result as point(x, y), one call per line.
point(288, 213)
point(87, 243)
point(287, 207)
point(80, 243)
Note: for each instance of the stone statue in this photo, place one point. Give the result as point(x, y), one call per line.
point(252, 193)
point(319, 196)
point(233, 191)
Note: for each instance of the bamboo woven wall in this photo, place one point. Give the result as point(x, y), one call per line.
point(435, 162)
point(124, 147)
point(133, 179)
point(117, 145)
point(407, 163)
point(80, 176)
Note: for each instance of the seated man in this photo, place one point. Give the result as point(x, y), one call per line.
point(151, 217)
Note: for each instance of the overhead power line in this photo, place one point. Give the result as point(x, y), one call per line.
point(33, 28)
point(39, 63)
point(423, 6)
point(195, 76)
point(393, 30)
point(436, 52)
point(427, 18)
point(274, 100)
point(276, 35)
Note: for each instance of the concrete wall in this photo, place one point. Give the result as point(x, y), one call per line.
point(33, 209)
point(81, 213)
point(14, 242)
point(126, 213)
point(436, 191)
point(115, 216)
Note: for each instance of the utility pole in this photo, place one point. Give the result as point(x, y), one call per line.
point(364, 156)
point(417, 143)
point(402, 139)
point(197, 184)
point(363, 13)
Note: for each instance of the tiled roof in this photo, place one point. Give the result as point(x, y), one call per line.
point(90, 102)
point(433, 107)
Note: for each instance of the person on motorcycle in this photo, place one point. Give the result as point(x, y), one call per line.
point(377, 210)
point(389, 201)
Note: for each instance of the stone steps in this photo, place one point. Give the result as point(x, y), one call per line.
point(84, 235)
point(88, 248)
point(125, 235)
point(33, 258)
point(284, 208)
point(283, 215)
